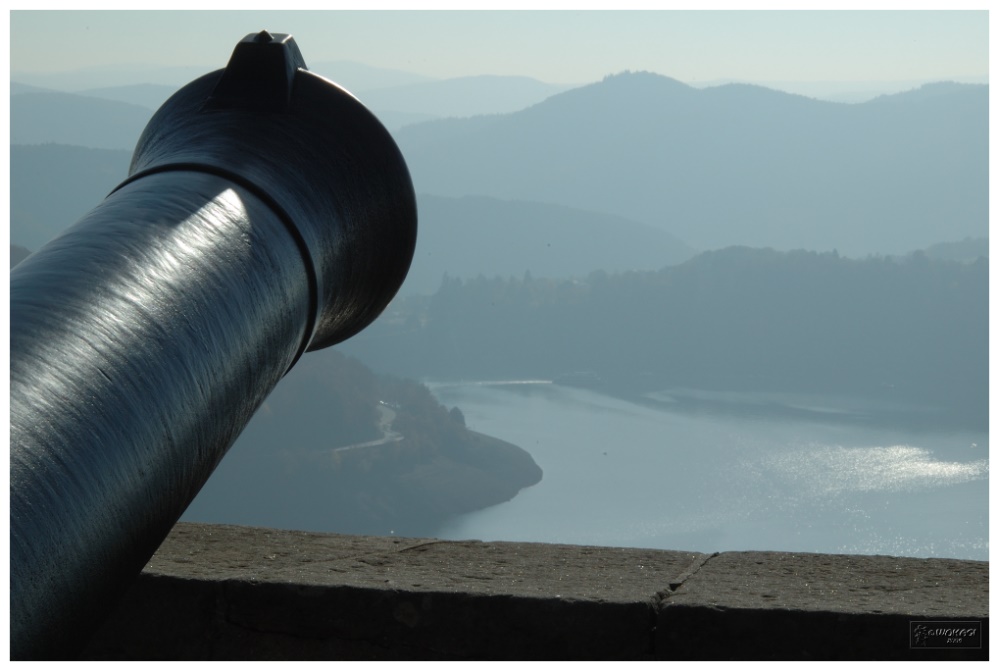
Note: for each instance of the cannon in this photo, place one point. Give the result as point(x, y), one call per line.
point(266, 213)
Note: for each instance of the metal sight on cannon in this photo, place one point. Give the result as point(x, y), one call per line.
point(266, 213)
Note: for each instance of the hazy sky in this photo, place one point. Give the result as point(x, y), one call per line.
point(555, 46)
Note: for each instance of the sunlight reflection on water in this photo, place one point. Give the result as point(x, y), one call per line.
point(688, 477)
point(832, 470)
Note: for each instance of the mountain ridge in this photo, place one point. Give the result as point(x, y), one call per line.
point(736, 164)
point(38, 117)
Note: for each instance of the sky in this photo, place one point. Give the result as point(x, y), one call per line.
point(561, 47)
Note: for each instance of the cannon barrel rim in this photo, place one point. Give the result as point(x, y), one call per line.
point(333, 138)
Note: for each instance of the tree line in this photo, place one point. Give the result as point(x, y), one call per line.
point(912, 329)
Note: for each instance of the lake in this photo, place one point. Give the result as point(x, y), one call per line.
point(700, 471)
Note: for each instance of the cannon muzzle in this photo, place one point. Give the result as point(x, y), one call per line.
point(266, 213)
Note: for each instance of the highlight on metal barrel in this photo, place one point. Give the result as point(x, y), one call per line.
point(266, 213)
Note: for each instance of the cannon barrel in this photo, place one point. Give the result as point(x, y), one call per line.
point(266, 213)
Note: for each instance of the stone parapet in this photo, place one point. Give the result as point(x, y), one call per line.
point(216, 592)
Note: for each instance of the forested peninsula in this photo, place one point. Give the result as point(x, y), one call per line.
point(338, 448)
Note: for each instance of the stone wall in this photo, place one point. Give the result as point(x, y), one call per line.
point(240, 593)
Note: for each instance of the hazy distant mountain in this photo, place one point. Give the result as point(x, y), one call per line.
point(734, 164)
point(52, 186)
point(472, 236)
point(462, 96)
point(728, 164)
point(68, 118)
point(393, 121)
point(150, 96)
point(351, 75)
point(16, 88)
point(358, 77)
point(967, 250)
point(103, 76)
point(936, 90)
point(151, 86)
point(834, 91)
point(397, 98)
point(402, 98)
